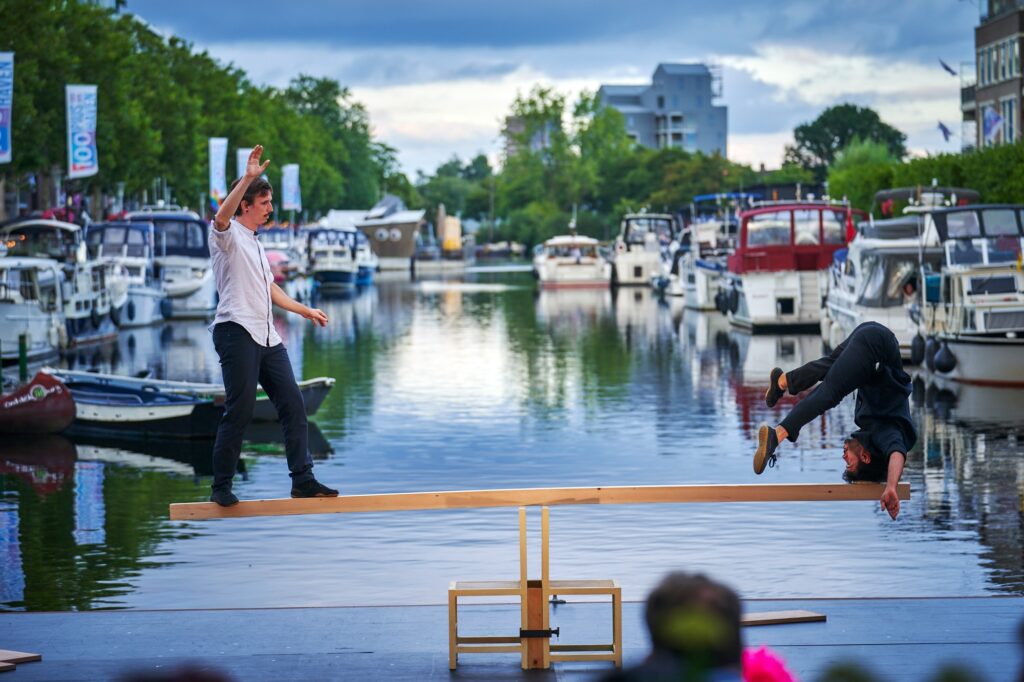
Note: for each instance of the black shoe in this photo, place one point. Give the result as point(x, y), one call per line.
point(312, 488)
point(767, 442)
point(224, 497)
point(772, 395)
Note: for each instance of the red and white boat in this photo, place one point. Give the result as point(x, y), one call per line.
point(43, 405)
point(782, 250)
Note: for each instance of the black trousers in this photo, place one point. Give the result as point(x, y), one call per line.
point(244, 363)
point(854, 364)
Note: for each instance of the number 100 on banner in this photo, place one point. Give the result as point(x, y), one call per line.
point(82, 157)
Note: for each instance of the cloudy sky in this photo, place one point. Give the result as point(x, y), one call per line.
point(438, 77)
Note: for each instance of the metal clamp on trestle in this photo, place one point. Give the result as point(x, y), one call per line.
point(537, 634)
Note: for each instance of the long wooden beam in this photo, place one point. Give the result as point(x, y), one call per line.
point(517, 497)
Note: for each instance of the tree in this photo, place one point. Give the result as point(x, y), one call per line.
point(860, 170)
point(818, 142)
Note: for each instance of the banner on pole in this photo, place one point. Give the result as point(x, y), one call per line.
point(218, 161)
point(83, 160)
point(6, 104)
point(242, 160)
point(291, 194)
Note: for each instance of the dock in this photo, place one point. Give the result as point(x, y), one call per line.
point(897, 639)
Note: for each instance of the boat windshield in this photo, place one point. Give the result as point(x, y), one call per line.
point(181, 238)
point(572, 251)
point(769, 229)
point(117, 240)
point(883, 277)
point(637, 229)
point(41, 243)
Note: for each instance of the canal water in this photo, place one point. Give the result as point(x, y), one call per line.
point(483, 382)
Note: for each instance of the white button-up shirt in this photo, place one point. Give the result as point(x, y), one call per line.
point(243, 277)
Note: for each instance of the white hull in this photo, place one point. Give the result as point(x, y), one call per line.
point(636, 268)
point(986, 361)
point(143, 307)
point(842, 317)
point(778, 299)
point(558, 274)
point(129, 413)
point(395, 263)
point(191, 297)
point(702, 285)
point(41, 330)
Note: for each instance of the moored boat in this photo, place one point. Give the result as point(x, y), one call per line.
point(645, 240)
point(139, 412)
point(130, 245)
point(569, 261)
point(43, 405)
point(773, 275)
point(971, 316)
point(314, 391)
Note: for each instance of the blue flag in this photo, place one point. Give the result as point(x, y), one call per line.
point(946, 132)
point(948, 68)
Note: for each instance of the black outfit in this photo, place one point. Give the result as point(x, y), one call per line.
point(244, 363)
point(868, 362)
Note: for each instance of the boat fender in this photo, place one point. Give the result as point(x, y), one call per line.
point(115, 316)
point(94, 317)
point(945, 361)
point(823, 327)
point(131, 311)
point(916, 349)
point(719, 303)
point(931, 347)
point(63, 336)
point(166, 308)
point(835, 335)
point(734, 300)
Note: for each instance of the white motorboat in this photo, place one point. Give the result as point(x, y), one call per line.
point(971, 317)
point(131, 246)
point(182, 262)
point(332, 254)
point(773, 275)
point(31, 306)
point(645, 240)
point(571, 261)
point(866, 280)
point(93, 292)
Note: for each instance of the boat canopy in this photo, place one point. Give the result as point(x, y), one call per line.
point(177, 234)
point(636, 227)
point(120, 239)
point(40, 238)
point(981, 234)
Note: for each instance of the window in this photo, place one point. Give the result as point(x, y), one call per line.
point(962, 224)
point(769, 229)
point(834, 227)
point(661, 102)
point(806, 225)
point(1000, 221)
point(631, 121)
point(690, 140)
point(1016, 57)
point(1009, 113)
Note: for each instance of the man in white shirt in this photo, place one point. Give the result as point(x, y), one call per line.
point(250, 349)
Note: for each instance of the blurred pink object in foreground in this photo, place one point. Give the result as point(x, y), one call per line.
point(764, 665)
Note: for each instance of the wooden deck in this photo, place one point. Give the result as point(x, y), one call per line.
point(900, 639)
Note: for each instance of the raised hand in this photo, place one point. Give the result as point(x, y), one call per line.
point(253, 169)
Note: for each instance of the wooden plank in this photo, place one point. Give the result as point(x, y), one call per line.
point(7, 667)
point(489, 640)
point(583, 647)
point(782, 617)
point(516, 497)
point(7, 656)
point(488, 649)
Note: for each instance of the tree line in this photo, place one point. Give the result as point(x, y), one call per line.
point(159, 100)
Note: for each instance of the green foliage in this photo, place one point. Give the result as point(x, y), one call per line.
point(996, 172)
point(817, 143)
point(860, 170)
point(160, 100)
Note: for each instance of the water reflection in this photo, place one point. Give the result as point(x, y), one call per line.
point(481, 382)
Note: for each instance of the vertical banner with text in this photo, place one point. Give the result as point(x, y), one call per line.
point(291, 194)
point(83, 160)
point(218, 178)
point(242, 160)
point(6, 104)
